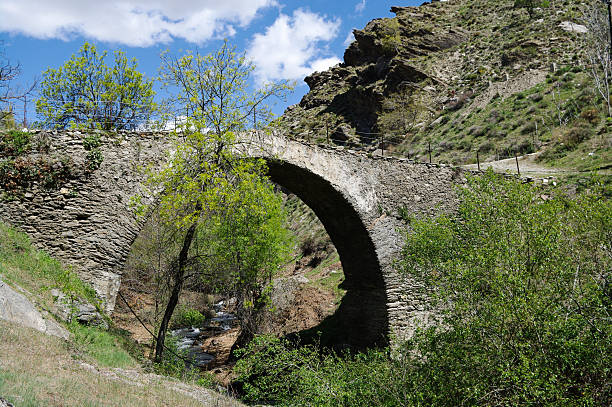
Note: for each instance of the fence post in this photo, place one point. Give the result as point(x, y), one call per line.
point(478, 158)
point(327, 130)
point(517, 165)
point(429, 149)
point(382, 144)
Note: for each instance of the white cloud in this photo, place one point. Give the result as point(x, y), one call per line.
point(349, 39)
point(291, 47)
point(359, 7)
point(130, 22)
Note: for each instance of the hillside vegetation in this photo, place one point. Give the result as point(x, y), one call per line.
point(463, 76)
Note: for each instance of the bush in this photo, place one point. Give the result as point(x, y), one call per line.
point(94, 157)
point(14, 143)
point(590, 115)
point(576, 135)
point(187, 317)
point(527, 280)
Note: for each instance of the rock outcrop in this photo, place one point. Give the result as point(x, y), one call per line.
point(15, 307)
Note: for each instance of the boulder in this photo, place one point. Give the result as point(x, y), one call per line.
point(73, 309)
point(573, 27)
point(15, 307)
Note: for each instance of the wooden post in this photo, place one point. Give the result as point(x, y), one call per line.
point(382, 144)
point(429, 149)
point(517, 165)
point(327, 130)
point(25, 104)
point(478, 158)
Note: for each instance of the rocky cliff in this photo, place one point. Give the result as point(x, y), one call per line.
point(439, 74)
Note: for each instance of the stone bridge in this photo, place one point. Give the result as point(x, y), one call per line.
point(88, 223)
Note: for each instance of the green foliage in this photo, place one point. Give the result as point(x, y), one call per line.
point(524, 288)
point(172, 363)
point(94, 157)
point(214, 89)
point(104, 347)
point(213, 193)
point(275, 371)
point(87, 93)
point(14, 143)
point(269, 369)
point(187, 317)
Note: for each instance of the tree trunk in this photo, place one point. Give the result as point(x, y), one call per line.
point(179, 278)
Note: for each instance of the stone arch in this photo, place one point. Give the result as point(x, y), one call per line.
point(361, 320)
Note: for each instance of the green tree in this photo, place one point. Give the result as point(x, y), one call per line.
point(211, 191)
point(523, 280)
point(87, 93)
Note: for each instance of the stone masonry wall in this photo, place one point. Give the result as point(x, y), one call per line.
point(88, 222)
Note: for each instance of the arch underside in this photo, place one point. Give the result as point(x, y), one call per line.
point(361, 319)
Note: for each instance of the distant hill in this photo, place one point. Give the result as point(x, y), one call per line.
point(462, 76)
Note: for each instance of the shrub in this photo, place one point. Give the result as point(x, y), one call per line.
point(590, 115)
point(576, 135)
point(528, 128)
point(93, 158)
point(530, 298)
point(187, 317)
point(14, 143)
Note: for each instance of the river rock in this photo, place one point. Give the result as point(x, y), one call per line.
point(15, 307)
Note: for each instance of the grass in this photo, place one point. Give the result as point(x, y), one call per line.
point(104, 348)
point(34, 270)
point(328, 281)
point(37, 370)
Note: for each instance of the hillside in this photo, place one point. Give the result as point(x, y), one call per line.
point(93, 366)
point(459, 77)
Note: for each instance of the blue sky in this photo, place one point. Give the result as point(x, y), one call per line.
point(287, 39)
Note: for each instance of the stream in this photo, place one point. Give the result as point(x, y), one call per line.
point(190, 339)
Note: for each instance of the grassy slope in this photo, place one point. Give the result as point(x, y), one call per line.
point(36, 369)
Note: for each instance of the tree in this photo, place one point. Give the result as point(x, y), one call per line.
point(87, 93)
point(10, 94)
point(597, 47)
point(400, 112)
point(210, 190)
point(523, 281)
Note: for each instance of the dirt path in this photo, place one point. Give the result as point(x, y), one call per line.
point(526, 163)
